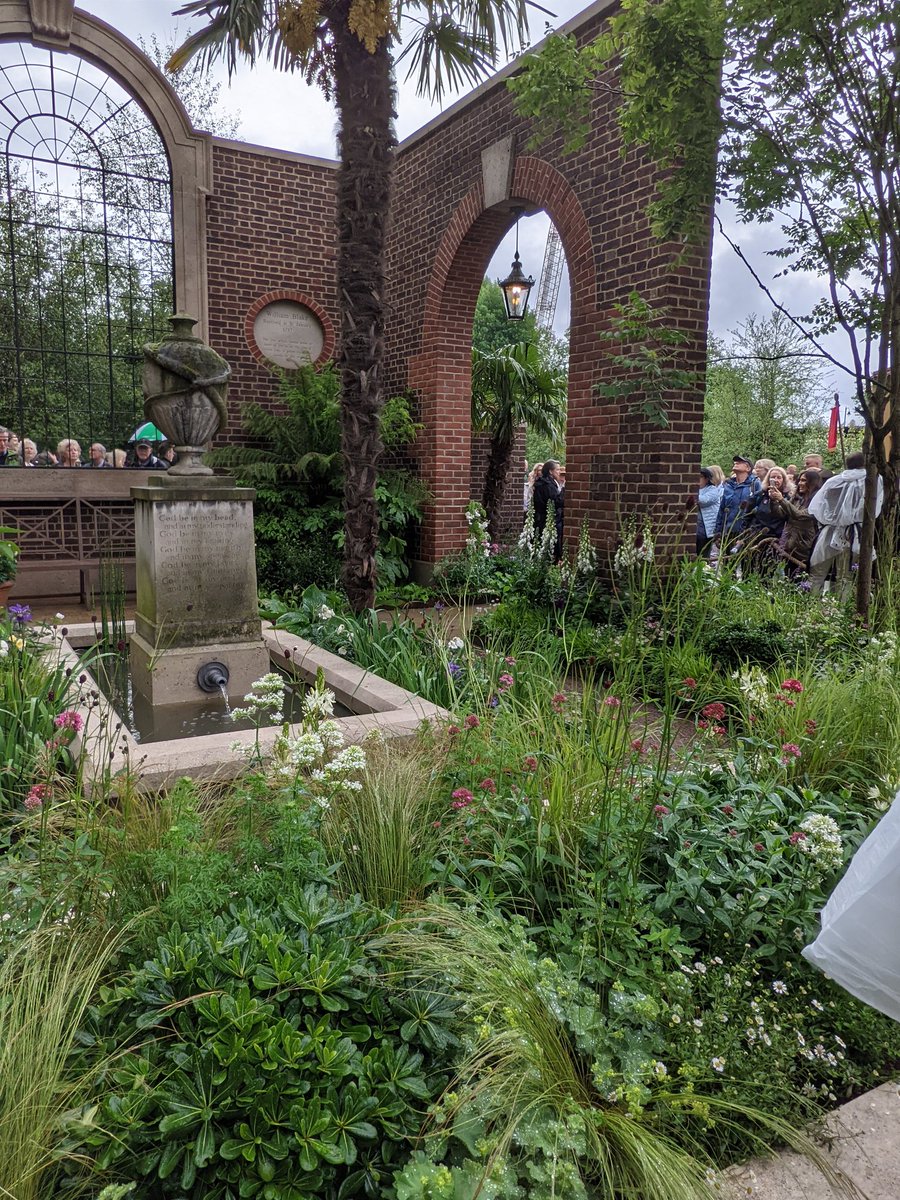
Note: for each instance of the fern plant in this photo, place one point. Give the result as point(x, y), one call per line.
point(299, 446)
point(293, 458)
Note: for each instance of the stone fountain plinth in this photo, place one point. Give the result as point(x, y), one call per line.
point(194, 545)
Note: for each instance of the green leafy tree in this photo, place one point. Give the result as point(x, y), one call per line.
point(800, 99)
point(347, 47)
point(765, 394)
point(513, 387)
point(492, 328)
point(198, 90)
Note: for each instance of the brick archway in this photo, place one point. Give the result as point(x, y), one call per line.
point(442, 372)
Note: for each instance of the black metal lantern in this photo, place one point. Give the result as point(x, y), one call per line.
point(516, 287)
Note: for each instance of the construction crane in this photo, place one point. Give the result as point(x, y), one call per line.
point(551, 275)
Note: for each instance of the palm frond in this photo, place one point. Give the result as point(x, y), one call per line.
point(513, 386)
point(236, 29)
point(457, 44)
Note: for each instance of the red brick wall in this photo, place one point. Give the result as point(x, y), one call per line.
point(442, 239)
point(270, 229)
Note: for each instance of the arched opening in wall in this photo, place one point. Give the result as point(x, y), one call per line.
point(442, 372)
point(519, 374)
point(86, 249)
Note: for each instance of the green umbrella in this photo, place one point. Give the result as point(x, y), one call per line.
point(148, 432)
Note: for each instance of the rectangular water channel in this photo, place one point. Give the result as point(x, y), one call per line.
point(106, 747)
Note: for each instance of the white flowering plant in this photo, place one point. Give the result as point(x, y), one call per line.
point(322, 617)
point(310, 755)
point(637, 546)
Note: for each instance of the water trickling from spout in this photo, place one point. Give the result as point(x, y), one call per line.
point(224, 690)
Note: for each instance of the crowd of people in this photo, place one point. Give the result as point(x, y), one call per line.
point(805, 522)
point(140, 456)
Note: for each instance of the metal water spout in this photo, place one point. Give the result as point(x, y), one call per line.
point(213, 677)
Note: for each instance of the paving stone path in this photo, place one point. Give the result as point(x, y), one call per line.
point(863, 1143)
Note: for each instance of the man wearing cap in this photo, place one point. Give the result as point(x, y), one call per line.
point(145, 459)
point(736, 494)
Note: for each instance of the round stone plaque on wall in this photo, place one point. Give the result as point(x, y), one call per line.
point(288, 330)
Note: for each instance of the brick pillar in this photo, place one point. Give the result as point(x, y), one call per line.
point(442, 372)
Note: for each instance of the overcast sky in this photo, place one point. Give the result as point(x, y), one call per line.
point(280, 110)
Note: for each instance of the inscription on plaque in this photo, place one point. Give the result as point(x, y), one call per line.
point(288, 334)
point(205, 557)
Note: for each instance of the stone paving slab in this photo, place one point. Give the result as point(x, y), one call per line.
point(863, 1143)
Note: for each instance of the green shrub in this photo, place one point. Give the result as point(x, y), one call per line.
point(744, 639)
point(290, 556)
point(33, 692)
point(268, 1060)
point(293, 457)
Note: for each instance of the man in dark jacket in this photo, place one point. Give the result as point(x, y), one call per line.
point(7, 457)
point(736, 495)
point(547, 491)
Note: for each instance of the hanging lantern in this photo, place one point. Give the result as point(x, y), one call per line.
point(516, 287)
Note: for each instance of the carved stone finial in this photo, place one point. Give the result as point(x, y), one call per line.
point(51, 21)
point(185, 384)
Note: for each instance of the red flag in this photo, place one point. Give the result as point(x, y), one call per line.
point(833, 425)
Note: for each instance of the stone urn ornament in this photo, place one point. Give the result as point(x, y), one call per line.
point(185, 384)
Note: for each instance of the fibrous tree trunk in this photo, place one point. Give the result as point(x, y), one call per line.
point(364, 94)
point(499, 460)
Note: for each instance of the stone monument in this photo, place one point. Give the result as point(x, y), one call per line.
point(194, 546)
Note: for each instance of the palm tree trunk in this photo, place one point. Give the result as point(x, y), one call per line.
point(495, 484)
point(364, 93)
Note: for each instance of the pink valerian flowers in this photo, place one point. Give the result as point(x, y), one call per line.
point(690, 683)
point(791, 750)
point(462, 798)
point(488, 785)
point(69, 720)
point(728, 810)
point(37, 795)
point(529, 763)
point(796, 838)
point(505, 681)
point(559, 700)
point(792, 685)
point(637, 746)
point(714, 711)
point(453, 730)
point(660, 810)
point(471, 721)
point(612, 702)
